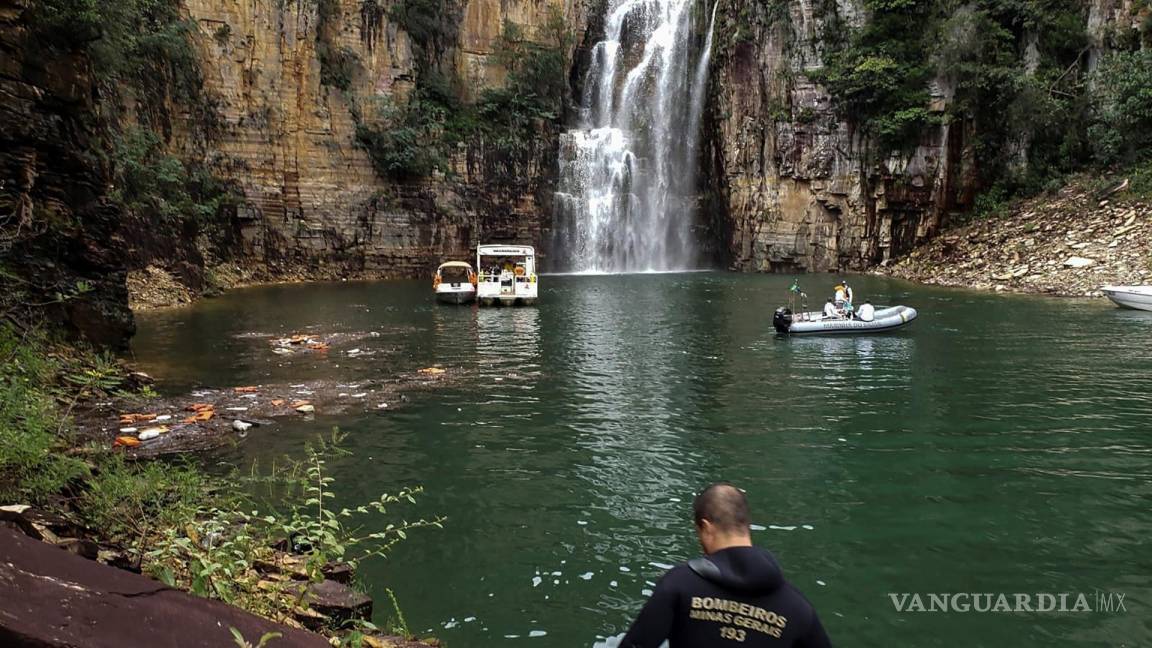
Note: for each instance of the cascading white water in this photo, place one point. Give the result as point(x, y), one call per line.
point(628, 174)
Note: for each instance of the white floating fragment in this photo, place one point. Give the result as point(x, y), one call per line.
point(624, 569)
point(237, 409)
point(808, 527)
point(163, 417)
point(661, 565)
point(781, 528)
point(586, 576)
point(646, 592)
point(536, 580)
point(537, 633)
point(582, 522)
point(128, 430)
point(757, 527)
point(820, 582)
point(360, 395)
point(241, 426)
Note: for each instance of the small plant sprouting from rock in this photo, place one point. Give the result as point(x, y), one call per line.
point(241, 642)
point(225, 551)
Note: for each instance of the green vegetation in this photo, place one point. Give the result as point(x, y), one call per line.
point(1013, 73)
point(178, 524)
point(141, 46)
point(431, 24)
point(503, 125)
point(151, 183)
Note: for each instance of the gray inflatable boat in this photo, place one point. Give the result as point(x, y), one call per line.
point(887, 318)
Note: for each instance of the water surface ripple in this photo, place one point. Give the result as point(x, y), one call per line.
point(1001, 444)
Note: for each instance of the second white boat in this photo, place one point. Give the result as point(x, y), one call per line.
point(1138, 297)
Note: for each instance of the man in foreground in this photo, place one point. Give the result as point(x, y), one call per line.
point(733, 596)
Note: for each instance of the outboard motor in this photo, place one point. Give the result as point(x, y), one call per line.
point(782, 320)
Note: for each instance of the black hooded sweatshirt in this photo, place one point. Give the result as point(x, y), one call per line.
point(734, 597)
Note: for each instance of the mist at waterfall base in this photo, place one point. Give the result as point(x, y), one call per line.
point(628, 175)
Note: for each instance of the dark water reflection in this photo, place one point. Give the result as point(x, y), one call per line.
point(1002, 444)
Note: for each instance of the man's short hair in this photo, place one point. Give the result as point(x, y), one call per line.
point(724, 506)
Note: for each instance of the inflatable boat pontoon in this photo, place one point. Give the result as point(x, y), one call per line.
point(885, 319)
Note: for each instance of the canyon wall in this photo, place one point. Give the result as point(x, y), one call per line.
point(796, 185)
point(312, 201)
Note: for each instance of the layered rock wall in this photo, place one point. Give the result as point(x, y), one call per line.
point(312, 200)
point(799, 189)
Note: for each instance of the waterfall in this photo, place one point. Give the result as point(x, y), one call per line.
point(626, 195)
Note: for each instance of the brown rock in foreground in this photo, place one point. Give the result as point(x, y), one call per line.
point(50, 598)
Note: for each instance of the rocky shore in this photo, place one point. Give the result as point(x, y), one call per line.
point(1069, 244)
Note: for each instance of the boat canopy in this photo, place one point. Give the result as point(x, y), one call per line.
point(505, 250)
point(455, 264)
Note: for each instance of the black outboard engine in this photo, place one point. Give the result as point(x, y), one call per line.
point(782, 320)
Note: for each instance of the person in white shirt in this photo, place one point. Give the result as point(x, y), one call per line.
point(830, 310)
point(867, 312)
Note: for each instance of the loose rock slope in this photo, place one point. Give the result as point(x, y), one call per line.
point(1069, 245)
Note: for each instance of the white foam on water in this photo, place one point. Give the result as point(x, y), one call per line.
point(808, 527)
point(646, 592)
point(613, 584)
point(757, 527)
point(624, 569)
point(820, 582)
point(673, 499)
point(781, 528)
point(661, 565)
point(582, 522)
point(537, 633)
point(627, 176)
point(469, 619)
point(586, 576)
point(556, 573)
point(536, 580)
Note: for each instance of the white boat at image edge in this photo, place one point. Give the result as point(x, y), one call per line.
point(886, 318)
point(1137, 297)
point(507, 275)
point(455, 283)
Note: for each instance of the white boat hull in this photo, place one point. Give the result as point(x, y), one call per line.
point(1137, 297)
point(447, 294)
point(886, 319)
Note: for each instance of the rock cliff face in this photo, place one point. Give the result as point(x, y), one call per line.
point(58, 233)
point(800, 189)
point(312, 200)
point(795, 185)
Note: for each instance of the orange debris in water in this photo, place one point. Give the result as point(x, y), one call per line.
point(278, 402)
point(300, 403)
point(129, 419)
point(199, 407)
point(246, 390)
point(127, 441)
point(432, 371)
point(318, 346)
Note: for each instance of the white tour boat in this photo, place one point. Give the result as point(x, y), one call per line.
point(455, 283)
point(507, 275)
point(1138, 297)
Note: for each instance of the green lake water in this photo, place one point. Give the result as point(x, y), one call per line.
point(1001, 444)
